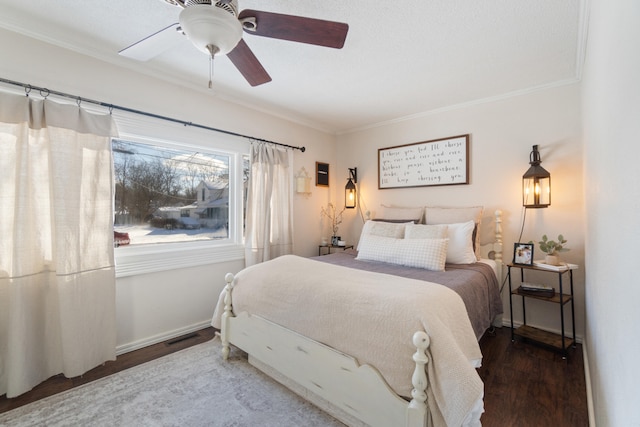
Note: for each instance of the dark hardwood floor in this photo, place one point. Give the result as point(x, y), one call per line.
point(525, 385)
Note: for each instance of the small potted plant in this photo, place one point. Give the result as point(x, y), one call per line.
point(552, 248)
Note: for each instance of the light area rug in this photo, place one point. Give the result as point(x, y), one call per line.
point(192, 387)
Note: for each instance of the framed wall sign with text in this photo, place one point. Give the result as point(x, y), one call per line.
point(438, 162)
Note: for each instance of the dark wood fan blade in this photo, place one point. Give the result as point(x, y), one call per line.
point(248, 65)
point(297, 28)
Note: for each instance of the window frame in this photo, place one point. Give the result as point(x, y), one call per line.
point(150, 258)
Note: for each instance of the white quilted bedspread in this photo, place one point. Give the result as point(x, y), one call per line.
point(372, 317)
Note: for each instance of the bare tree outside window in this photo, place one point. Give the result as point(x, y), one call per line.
point(167, 195)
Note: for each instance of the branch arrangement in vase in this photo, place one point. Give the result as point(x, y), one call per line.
point(334, 216)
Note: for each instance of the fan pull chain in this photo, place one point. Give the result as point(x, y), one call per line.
point(212, 51)
point(210, 71)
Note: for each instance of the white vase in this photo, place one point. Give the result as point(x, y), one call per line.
point(552, 260)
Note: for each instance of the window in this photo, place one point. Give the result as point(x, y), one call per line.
point(176, 205)
point(156, 192)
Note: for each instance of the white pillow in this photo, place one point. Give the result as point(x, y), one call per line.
point(429, 254)
point(438, 215)
point(384, 229)
point(395, 212)
point(460, 250)
point(422, 231)
point(443, 215)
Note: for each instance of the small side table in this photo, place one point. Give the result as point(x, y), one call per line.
point(329, 247)
point(561, 341)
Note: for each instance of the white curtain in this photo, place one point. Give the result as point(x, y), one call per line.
point(57, 276)
point(269, 230)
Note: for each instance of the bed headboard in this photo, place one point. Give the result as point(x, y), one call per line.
point(493, 250)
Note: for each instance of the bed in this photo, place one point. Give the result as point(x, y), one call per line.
point(369, 341)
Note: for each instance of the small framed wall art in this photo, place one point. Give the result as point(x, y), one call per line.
point(322, 174)
point(523, 253)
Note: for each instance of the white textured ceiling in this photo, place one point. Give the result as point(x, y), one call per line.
point(400, 59)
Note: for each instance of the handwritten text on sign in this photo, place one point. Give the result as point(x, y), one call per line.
point(437, 162)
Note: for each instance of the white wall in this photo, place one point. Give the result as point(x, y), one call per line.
point(502, 135)
point(153, 307)
point(308, 224)
point(611, 120)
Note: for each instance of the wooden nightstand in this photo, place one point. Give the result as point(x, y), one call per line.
point(329, 247)
point(560, 342)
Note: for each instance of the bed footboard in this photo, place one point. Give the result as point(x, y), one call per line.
point(353, 393)
point(226, 314)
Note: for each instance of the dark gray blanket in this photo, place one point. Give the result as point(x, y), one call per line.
point(476, 283)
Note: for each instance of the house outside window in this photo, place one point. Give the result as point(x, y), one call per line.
point(156, 188)
point(159, 212)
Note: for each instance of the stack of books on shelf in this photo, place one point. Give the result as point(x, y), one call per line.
point(562, 267)
point(536, 289)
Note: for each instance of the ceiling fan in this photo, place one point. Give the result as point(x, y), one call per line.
point(216, 28)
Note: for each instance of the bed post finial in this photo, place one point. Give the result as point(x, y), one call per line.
point(418, 405)
point(225, 315)
point(498, 243)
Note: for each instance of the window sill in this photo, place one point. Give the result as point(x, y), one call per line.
point(143, 259)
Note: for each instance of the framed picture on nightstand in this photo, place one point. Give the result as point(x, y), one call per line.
point(523, 253)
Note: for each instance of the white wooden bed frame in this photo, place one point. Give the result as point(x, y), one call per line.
point(355, 394)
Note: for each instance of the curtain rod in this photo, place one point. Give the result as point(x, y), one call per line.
point(46, 92)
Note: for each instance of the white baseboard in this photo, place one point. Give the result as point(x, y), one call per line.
point(587, 380)
point(136, 345)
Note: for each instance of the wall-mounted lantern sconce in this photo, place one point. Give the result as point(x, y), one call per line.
point(536, 183)
point(350, 189)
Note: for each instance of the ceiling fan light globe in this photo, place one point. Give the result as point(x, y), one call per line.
point(207, 25)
